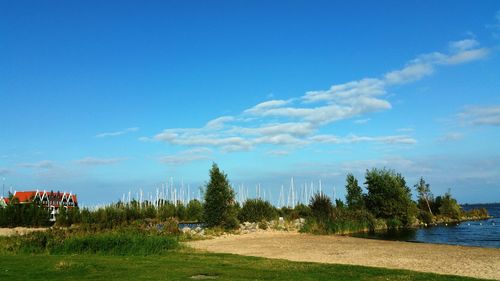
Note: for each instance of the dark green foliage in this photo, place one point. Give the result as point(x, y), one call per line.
point(321, 207)
point(219, 201)
point(28, 215)
point(354, 197)
point(195, 211)
point(256, 210)
point(389, 197)
point(166, 211)
point(449, 207)
point(339, 203)
point(181, 212)
point(425, 216)
point(123, 242)
point(342, 221)
point(116, 244)
point(303, 211)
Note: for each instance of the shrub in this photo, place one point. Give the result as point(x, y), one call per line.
point(194, 211)
point(321, 207)
point(256, 210)
point(425, 217)
point(116, 244)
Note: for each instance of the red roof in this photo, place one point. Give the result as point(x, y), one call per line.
point(6, 200)
point(27, 196)
point(24, 196)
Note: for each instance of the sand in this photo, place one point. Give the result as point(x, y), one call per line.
point(18, 230)
point(441, 259)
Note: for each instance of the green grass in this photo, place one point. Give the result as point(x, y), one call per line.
point(177, 265)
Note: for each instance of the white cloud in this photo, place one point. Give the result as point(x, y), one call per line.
point(495, 27)
point(298, 121)
point(467, 56)
point(44, 164)
point(361, 121)
point(453, 136)
point(406, 130)
point(278, 152)
point(186, 156)
point(218, 123)
point(331, 139)
point(481, 115)
point(117, 133)
point(410, 73)
point(94, 161)
point(463, 45)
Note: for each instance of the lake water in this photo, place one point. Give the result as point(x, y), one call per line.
point(484, 233)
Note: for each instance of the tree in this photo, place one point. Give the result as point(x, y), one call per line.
point(424, 192)
point(219, 200)
point(388, 196)
point(449, 206)
point(354, 197)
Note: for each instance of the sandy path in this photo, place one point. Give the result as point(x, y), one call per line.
point(443, 259)
point(19, 230)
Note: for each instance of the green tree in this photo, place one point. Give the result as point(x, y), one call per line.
point(219, 201)
point(449, 206)
point(389, 197)
point(424, 193)
point(354, 197)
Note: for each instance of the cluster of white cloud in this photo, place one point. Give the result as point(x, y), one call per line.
point(481, 115)
point(94, 161)
point(296, 122)
point(44, 164)
point(117, 133)
point(199, 153)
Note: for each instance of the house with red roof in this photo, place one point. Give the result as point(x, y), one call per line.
point(48, 199)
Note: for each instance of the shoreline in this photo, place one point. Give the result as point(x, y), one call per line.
point(424, 257)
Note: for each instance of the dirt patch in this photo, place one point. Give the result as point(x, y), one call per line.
point(203, 277)
point(442, 259)
point(19, 230)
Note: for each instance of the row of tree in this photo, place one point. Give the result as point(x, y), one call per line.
point(387, 197)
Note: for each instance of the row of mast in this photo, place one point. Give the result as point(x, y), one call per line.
point(169, 192)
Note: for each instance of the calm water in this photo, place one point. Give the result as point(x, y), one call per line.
point(485, 233)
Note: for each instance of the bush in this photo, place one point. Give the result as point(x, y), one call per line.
point(124, 242)
point(425, 217)
point(195, 211)
point(321, 207)
point(116, 244)
point(256, 210)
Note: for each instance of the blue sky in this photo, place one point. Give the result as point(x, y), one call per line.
point(103, 98)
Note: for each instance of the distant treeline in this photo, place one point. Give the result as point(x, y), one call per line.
point(386, 203)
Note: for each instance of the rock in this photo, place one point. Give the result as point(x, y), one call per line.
point(186, 229)
point(197, 229)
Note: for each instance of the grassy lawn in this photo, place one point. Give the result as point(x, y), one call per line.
point(177, 265)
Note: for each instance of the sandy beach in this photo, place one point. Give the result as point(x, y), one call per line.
point(443, 259)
